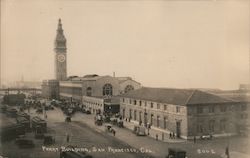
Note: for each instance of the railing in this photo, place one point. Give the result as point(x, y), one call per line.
point(20, 89)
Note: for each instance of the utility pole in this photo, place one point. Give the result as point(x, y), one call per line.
point(0, 53)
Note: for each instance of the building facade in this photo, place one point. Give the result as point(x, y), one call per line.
point(186, 112)
point(97, 93)
point(70, 90)
point(102, 105)
point(241, 108)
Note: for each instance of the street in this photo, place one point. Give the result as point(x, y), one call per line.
point(202, 148)
point(81, 136)
point(94, 140)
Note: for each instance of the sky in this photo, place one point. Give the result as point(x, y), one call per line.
point(162, 43)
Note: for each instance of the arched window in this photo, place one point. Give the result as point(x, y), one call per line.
point(128, 88)
point(89, 91)
point(107, 89)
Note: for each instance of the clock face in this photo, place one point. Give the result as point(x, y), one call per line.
point(61, 58)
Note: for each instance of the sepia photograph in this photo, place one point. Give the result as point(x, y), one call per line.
point(124, 78)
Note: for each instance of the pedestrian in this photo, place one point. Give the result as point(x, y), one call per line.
point(227, 152)
point(113, 132)
point(194, 139)
point(170, 135)
point(156, 136)
point(173, 135)
point(67, 137)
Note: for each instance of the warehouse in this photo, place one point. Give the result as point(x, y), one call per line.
point(186, 112)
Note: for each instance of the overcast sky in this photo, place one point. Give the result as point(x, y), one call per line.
point(182, 44)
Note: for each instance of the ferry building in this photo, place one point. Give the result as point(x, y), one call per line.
point(93, 91)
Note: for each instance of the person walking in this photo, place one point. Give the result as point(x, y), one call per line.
point(67, 137)
point(113, 132)
point(227, 152)
point(170, 135)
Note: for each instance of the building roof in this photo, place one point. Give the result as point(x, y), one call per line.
point(237, 98)
point(235, 95)
point(175, 96)
point(87, 78)
point(241, 98)
point(94, 77)
point(122, 79)
point(90, 76)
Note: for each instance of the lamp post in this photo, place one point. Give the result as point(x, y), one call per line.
point(230, 128)
point(109, 110)
point(45, 115)
point(228, 140)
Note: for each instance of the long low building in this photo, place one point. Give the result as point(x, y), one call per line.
point(186, 112)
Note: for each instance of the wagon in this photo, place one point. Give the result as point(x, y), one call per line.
point(139, 130)
point(108, 128)
point(68, 119)
point(48, 140)
point(176, 153)
point(25, 143)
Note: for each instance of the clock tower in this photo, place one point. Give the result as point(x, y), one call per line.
point(60, 54)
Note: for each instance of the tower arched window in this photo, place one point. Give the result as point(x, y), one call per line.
point(128, 88)
point(89, 91)
point(107, 89)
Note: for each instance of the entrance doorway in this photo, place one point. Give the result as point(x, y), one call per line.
point(130, 114)
point(145, 119)
point(123, 113)
point(140, 122)
point(178, 129)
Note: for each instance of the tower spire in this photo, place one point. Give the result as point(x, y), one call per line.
point(60, 41)
point(59, 24)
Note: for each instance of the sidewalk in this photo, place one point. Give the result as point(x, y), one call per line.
point(162, 135)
